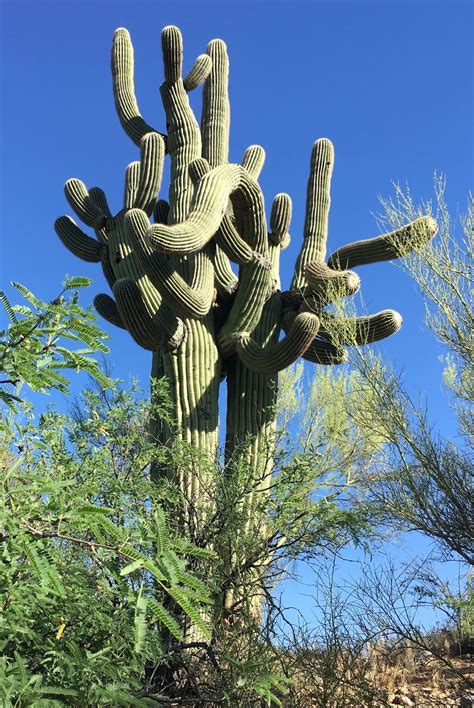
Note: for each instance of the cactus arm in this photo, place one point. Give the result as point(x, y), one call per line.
point(184, 136)
point(253, 160)
point(328, 284)
point(276, 357)
point(193, 300)
point(198, 73)
point(124, 263)
point(285, 242)
point(197, 169)
point(320, 351)
point(248, 304)
point(79, 199)
point(152, 154)
point(107, 308)
point(144, 329)
point(361, 330)
point(124, 88)
point(117, 258)
point(98, 198)
point(386, 247)
point(249, 209)
point(226, 281)
point(318, 201)
point(215, 119)
point(172, 45)
point(83, 246)
point(215, 123)
point(255, 276)
point(325, 353)
point(209, 204)
point(280, 218)
point(132, 180)
point(143, 177)
point(161, 211)
point(229, 240)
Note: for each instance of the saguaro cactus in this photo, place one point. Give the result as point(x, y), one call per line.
point(174, 288)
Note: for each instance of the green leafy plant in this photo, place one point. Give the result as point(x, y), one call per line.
point(35, 348)
point(93, 581)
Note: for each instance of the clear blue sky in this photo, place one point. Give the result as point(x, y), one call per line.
point(390, 83)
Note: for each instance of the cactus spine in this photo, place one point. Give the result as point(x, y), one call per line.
point(174, 288)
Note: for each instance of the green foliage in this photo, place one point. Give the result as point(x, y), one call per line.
point(35, 346)
point(97, 584)
point(269, 686)
point(425, 480)
point(93, 582)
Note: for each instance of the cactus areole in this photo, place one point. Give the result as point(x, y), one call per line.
point(195, 278)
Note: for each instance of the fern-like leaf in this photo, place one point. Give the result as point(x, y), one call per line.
point(181, 545)
point(139, 622)
point(43, 566)
point(166, 619)
point(185, 604)
point(162, 539)
point(8, 307)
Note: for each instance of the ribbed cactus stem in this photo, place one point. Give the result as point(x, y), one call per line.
point(215, 120)
point(215, 123)
point(330, 284)
point(229, 240)
point(98, 198)
point(144, 329)
point(226, 281)
point(325, 353)
point(83, 246)
point(386, 247)
point(255, 276)
point(143, 177)
point(278, 356)
point(183, 144)
point(79, 199)
point(161, 211)
point(124, 87)
point(152, 154)
point(198, 72)
point(361, 330)
point(208, 207)
point(108, 272)
point(253, 160)
point(172, 47)
point(192, 300)
point(248, 305)
point(318, 202)
point(197, 169)
point(132, 180)
point(107, 308)
point(320, 351)
point(280, 218)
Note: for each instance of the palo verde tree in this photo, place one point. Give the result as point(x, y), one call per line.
point(175, 291)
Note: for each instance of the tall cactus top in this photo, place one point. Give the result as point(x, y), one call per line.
point(178, 268)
